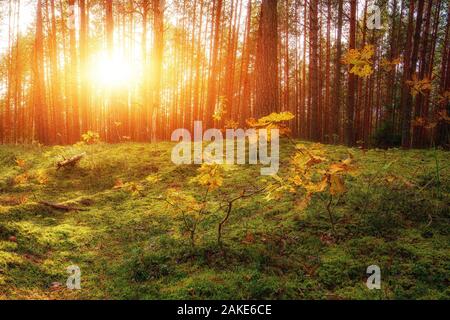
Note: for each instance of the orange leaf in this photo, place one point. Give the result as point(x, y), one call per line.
point(249, 238)
point(336, 185)
point(21, 163)
point(119, 184)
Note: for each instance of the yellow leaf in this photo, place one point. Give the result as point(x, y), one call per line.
point(210, 175)
point(230, 124)
point(91, 137)
point(153, 178)
point(297, 180)
point(304, 202)
point(42, 177)
point(336, 185)
point(217, 116)
point(360, 60)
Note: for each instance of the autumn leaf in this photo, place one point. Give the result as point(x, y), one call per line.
point(90, 137)
point(419, 86)
point(430, 125)
point(418, 122)
point(304, 202)
point(249, 238)
point(134, 188)
point(230, 124)
point(360, 61)
point(272, 121)
point(297, 180)
point(21, 163)
point(42, 177)
point(389, 65)
point(21, 179)
point(118, 184)
point(442, 115)
point(220, 109)
point(313, 160)
point(153, 178)
point(336, 185)
point(209, 175)
point(217, 116)
point(276, 118)
point(444, 97)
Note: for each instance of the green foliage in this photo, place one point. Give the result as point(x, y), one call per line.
point(385, 136)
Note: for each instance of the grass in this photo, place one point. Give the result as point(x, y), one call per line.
point(131, 246)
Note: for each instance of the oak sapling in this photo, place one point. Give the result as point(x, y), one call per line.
point(312, 173)
point(193, 210)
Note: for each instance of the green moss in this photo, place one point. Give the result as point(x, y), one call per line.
point(132, 246)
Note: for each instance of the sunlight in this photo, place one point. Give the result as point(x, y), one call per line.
point(112, 72)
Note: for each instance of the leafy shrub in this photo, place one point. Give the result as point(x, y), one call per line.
point(385, 136)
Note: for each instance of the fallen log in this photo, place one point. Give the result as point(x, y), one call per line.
point(71, 162)
point(61, 207)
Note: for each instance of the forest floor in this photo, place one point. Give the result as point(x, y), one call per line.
point(129, 245)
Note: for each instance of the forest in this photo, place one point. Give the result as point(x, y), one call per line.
point(91, 92)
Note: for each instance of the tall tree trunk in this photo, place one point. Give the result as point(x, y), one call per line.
point(314, 76)
point(212, 82)
point(390, 90)
point(423, 68)
point(111, 110)
point(328, 115)
point(410, 69)
point(266, 69)
point(442, 136)
point(337, 77)
point(84, 93)
point(39, 103)
point(57, 104)
point(74, 80)
point(349, 117)
point(158, 26)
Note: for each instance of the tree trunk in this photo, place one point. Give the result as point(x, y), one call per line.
point(410, 68)
point(337, 79)
point(349, 117)
point(212, 82)
point(266, 69)
point(39, 103)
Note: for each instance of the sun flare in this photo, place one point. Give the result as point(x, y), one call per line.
point(112, 72)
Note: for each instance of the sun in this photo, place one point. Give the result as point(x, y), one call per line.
point(112, 71)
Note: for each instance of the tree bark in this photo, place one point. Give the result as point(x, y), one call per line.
point(266, 69)
point(352, 84)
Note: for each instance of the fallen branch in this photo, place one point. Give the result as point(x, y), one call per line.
point(71, 162)
point(61, 207)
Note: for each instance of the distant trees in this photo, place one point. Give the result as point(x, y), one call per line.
point(224, 62)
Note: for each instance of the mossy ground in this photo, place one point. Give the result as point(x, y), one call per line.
point(131, 247)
